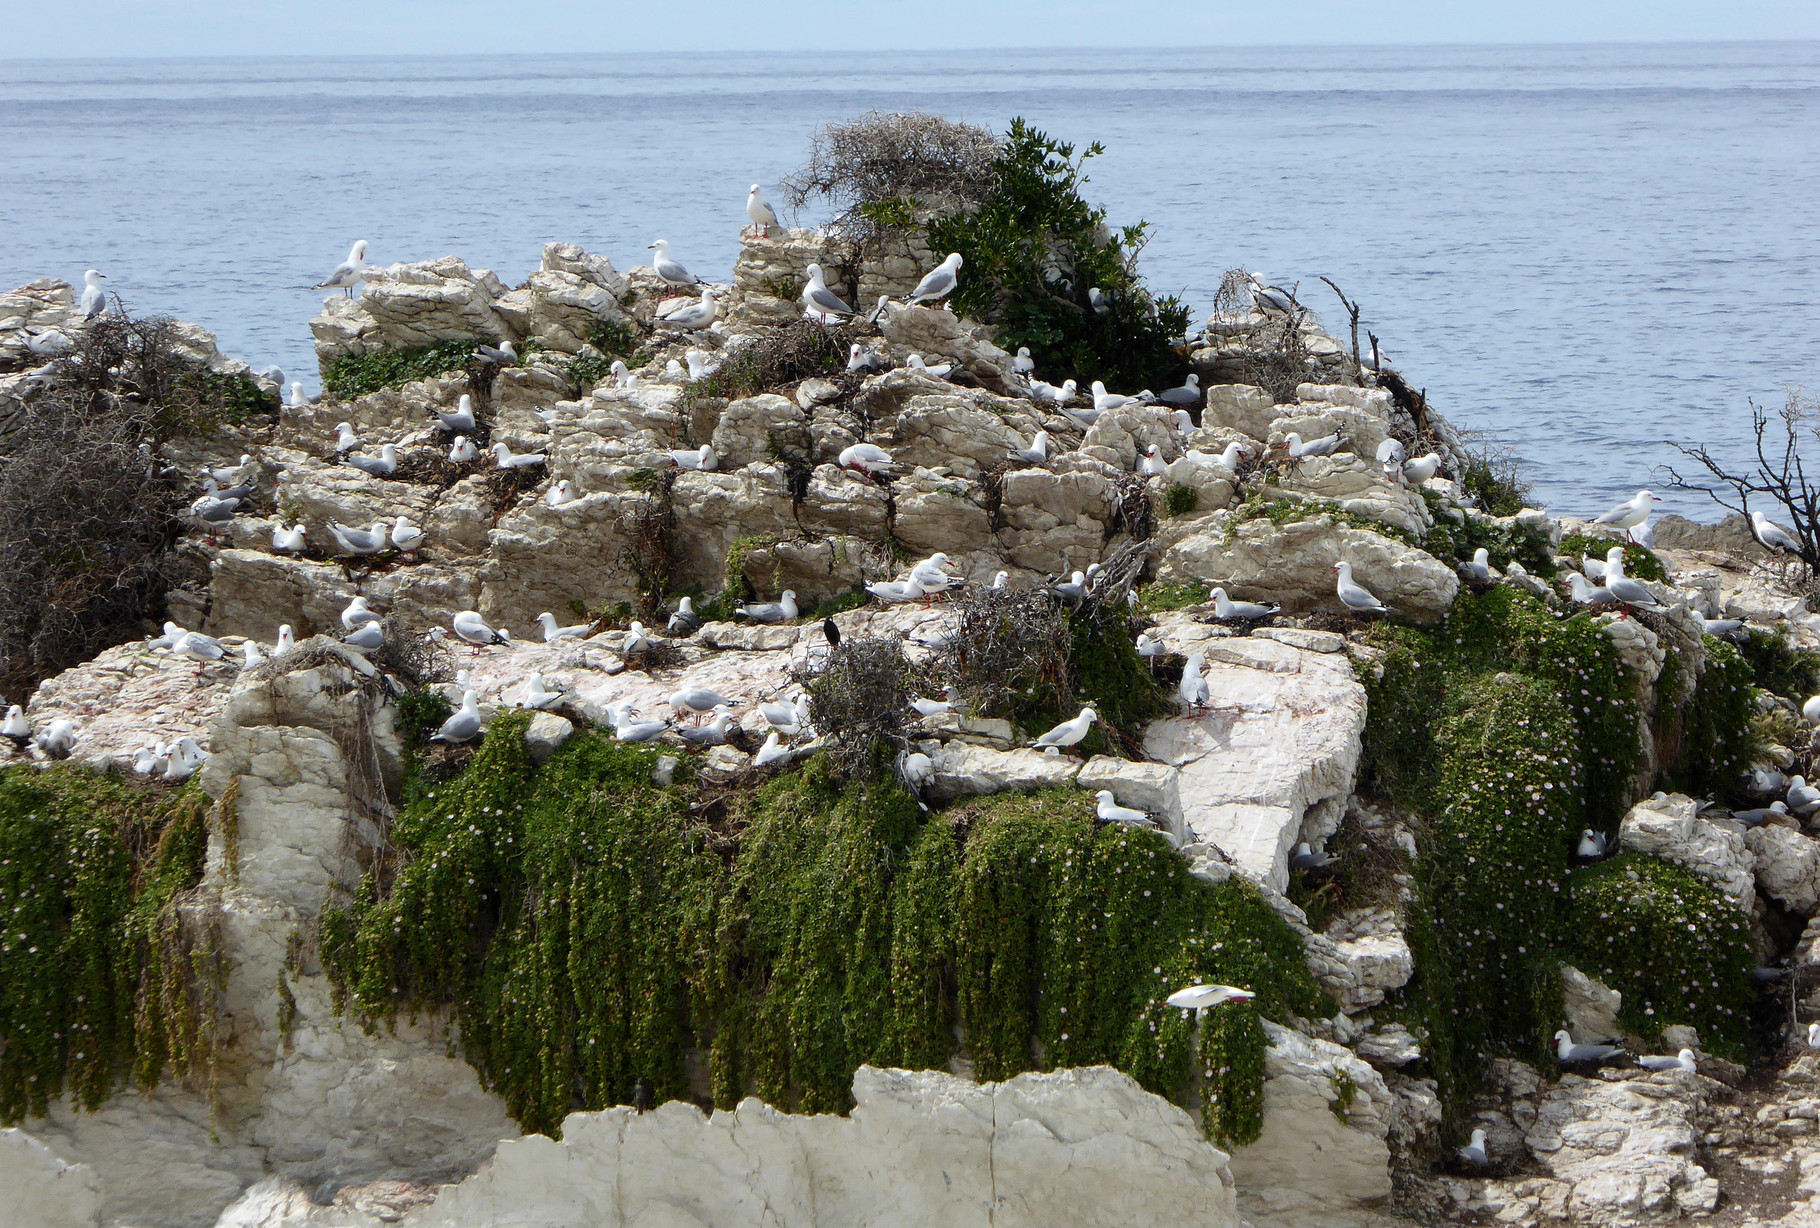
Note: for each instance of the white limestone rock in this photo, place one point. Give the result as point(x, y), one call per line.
point(1151, 787)
point(1591, 1006)
point(410, 305)
point(1788, 866)
point(931, 332)
point(761, 428)
point(1669, 826)
point(1240, 407)
point(545, 735)
point(1356, 485)
point(41, 1190)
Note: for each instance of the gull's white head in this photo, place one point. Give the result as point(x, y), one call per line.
point(358, 252)
point(91, 277)
point(660, 246)
point(814, 273)
point(953, 261)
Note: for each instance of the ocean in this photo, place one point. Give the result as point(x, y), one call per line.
point(1580, 252)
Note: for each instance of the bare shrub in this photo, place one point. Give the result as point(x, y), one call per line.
point(781, 358)
point(1277, 358)
point(649, 528)
point(860, 699)
point(885, 169)
point(1009, 652)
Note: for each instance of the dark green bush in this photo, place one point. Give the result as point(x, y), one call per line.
point(1181, 499)
point(1034, 249)
point(1640, 563)
point(355, 375)
point(1718, 745)
point(1778, 666)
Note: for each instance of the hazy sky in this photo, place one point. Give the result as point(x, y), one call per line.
point(82, 28)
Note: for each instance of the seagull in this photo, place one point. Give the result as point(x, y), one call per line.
point(932, 573)
point(884, 302)
point(284, 643)
point(918, 771)
point(185, 758)
point(464, 724)
point(382, 466)
point(1327, 445)
point(1022, 363)
point(16, 729)
point(695, 316)
point(1480, 567)
point(58, 739)
point(1772, 536)
point(1422, 468)
point(1184, 421)
point(561, 493)
point(685, 620)
point(359, 541)
point(366, 638)
point(347, 274)
point(1305, 858)
point(1036, 454)
point(787, 719)
point(696, 700)
point(345, 438)
point(1391, 454)
point(228, 476)
point(1193, 688)
point(622, 378)
point(1813, 1036)
point(213, 511)
point(94, 298)
point(625, 729)
point(1683, 1060)
point(934, 707)
point(1103, 400)
point(1725, 626)
point(1244, 611)
point(504, 354)
point(406, 535)
point(1051, 395)
point(1188, 394)
point(552, 632)
point(865, 457)
point(1110, 811)
point(462, 451)
point(763, 216)
point(463, 417)
point(771, 752)
point(49, 345)
point(1592, 845)
point(1566, 1051)
point(1585, 594)
point(820, 300)
point(471, 627)
point(1069, 733)
point(534, 696)
point(288, 541)
point(1356, 597)
point(1234, 453)
point(893, 592)
point(1072, 589)
point(297, 400)
point(672, 273)
point(1629, 514)
point(1147, 647)
point(1810, 711)
point(1594, 568)
point(701, 458)
point(862, 359)
point(635, 641)
point(1096, 299)
point(504, 459)
point(714, 733)
point(1474, 1152)
point(250, 656)
point(357, 614)
point(152, 760)
point(939, 282)
point(1756, 818)
point(783, 610)
point(1268, 299)
point(999, 579)
point(699, 366)
point(1152, 464)
point(1803, 798)
point(915, 363)
point(1621, 586)
point(1199, 998)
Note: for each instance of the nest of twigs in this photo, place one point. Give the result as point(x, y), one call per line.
point(860, 698)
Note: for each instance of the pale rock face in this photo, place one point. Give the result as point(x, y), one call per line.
point(564, 300)
point(1078, 1147)
point(720, 509)
point(816, 568)
point(1293, 564)
point(961, 430)
point(544, 557)
point(1669, 826)
point(1788, 866)
point(939, 512)
point(1592, 1007)
point(1283, 736)
point(1363, 430)
point(42, 1190)
point(840, 501)
point(545, 734)
point(962, 770)
point(1151, 787)
point(1357, 485)
point(615, 432)
point(759, 429)
point(1120, 436)
point(127, 696)
point(1308, 1165)
point(320, 493)
point(1239, 407)
point(410, 305)
point(1375, 401)
point(1374, 945)
point(1053, 522)
point(930, 331)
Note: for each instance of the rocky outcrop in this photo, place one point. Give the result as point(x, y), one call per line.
point(1668, 825)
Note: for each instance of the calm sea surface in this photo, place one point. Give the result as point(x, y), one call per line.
point(1581, 252)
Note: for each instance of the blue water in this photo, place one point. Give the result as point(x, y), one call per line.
point(1581, 252)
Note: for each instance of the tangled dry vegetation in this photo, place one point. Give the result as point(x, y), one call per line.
point(890, 169)
point(859, 700)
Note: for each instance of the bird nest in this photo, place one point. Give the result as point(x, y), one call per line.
point(791, 354)
point(859, 700)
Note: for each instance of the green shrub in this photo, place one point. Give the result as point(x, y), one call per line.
point(1156, 598)
point(1181, 499)
point(1677, 948)
point(1034, 216)
point(356, 375)
point(1718, 745)
point(101, 979)
point(1455, 542)
point(1639, 562)
point(1496, 481)
point(1778, 666)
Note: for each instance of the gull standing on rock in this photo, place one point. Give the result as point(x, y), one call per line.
point(939, 282)
point(1803, 798)
point(893, 592)
point(1586, 594)
point(472, 628)
point(534, 696)
point(16, 729)
point(625, 729)
point(820, 300)
point(561, 493)
point(1103, 400)
point(714, 733)
point(861, 359)
point(94, 298)
point(771, 752)
point(672, 273)
point(695, 316)
point(284, 643)
point(1194, 688)
point(1683, 1060)
point(1305, 858)
point(697, 700)
point(464, 724)
point(1474, 1152)
point(934, 707)
point(1149, 648)
point(552, 632)
point(1629, 514)
point(347, 274)
point(763, 216)
point(865, 457)
point(1069, 733)
point(1772, 536)
point(1152, 463)
point(58, 739)
point(1422, 468)
point(915, 363)
point(406, 536)
point(1621, 586)
point(345, 438)
point(1355, 597)
point(366, 638)
point(297, 400)
point(504, 354)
